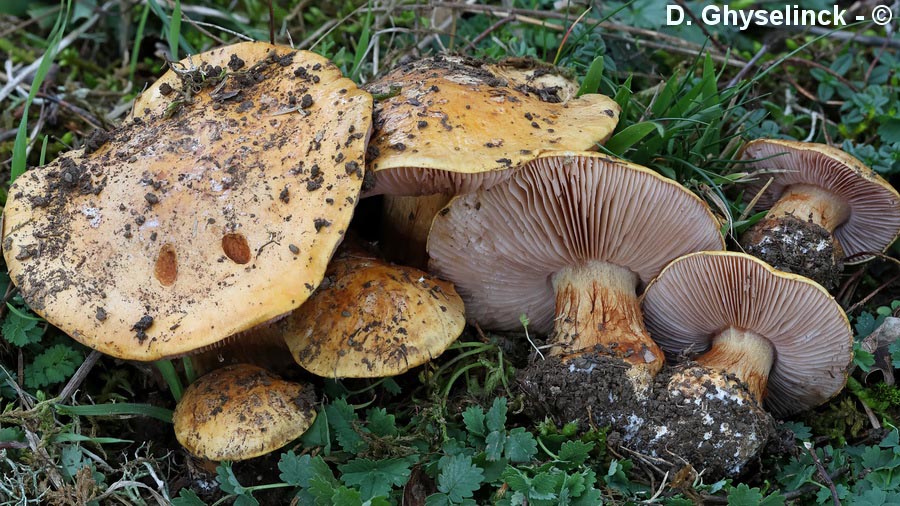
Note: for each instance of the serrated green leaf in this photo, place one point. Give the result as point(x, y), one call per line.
point(376, 477)
point(391, 386)
point(299, 470)
point(8, 434)
point(865, 324)
point(520, 445)
point(459, 478)
point(346, 497)
point(245, 500)
point(228, 482)
point(187, 497)
point(894, 350)
point(318, 434)
point(575, 452)
point(21, 331)
point(473, 419)
point(321, 490)
point(380, 423)
point(544, 486)
point(494, 443)
point(515, 479)
point(743, 495)
point(71, 461)
point(495, 420)
point(341, 418)
point(56, 364)
point(591, 497)
point(438, 499)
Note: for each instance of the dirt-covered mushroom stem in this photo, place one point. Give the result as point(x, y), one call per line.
point(597, 306)
point(797, 233)
point(743, 353)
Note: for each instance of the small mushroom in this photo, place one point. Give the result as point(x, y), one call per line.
point(825, 205)
point(450, 125)
point(240, 412)
point(220, 198)
point(756, 335)
point(371, 319)
point(568, 240)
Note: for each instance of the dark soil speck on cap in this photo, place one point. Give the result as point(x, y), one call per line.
point(95, 140)
point(140, 328)
point(235, 63)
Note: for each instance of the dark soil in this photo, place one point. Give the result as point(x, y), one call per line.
point(793, 245)
point(712, 428)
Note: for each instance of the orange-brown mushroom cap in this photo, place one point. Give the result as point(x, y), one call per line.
point(450, 124)
point(699, 295)
point(182, 230)
point(370, 319)
point(240, 412)
point(873, 222)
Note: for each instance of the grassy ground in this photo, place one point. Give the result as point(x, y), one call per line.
point(451, 431)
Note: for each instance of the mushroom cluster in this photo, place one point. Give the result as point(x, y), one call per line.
point(211, 221)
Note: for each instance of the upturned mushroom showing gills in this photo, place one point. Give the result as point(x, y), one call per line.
point(240, 412)
point(447, 125)
point(781, 334)
point(756, 335)
point(370, 319)
point(567, 241)
point(824, 205)
point(225, 195)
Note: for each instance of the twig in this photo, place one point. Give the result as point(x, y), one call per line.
point(823, 474)
point(79, 376)
point(271, 23)
point(698, 22)
point(750, 64)
point(481, 36)
point(815, 64)
point(78, 111)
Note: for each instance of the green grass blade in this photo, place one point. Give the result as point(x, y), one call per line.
point(174, 34)
point(363, 45)
point(21, 314)
point(189, 372)
point(117, 409)
point(631, 135)
point(68, 437)
point(20, 147)
point(44, 151)
point(138, 38)
point(171, 376)
point(593, 77)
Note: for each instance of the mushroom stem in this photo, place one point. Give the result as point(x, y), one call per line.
point(405, 225)
point(797, 234)
point(812, 203)
point(747, 355)
point(597, 305)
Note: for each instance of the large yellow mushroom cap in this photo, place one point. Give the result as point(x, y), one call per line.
point(370, 319)
point(450, 124)
point(240, 412)
point(214, 210)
